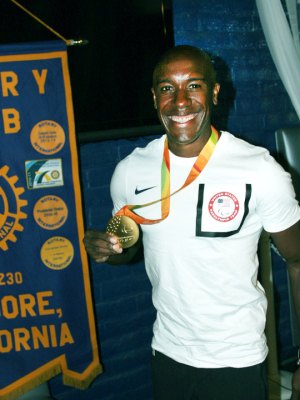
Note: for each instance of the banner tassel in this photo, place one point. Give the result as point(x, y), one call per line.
point(32, 384)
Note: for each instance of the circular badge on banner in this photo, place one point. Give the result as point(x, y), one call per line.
point(223, 206)
point(50, 212)
point(57, 252)
point(47, 137)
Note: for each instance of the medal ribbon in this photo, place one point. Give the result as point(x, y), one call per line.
point(197, 168)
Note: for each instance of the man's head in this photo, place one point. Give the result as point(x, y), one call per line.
point(186, 51)
point(184, 90)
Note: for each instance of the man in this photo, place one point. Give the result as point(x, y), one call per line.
point(200, 243)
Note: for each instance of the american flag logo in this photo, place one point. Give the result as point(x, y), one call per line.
point(224, 202)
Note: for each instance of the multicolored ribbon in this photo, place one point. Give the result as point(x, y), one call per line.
point(196, 170)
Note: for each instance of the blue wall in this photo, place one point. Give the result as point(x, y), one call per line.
point(231, 31)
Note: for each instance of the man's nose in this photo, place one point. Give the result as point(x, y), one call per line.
point(182, 98)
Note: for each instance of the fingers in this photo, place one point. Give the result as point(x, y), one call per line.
point(101, 245)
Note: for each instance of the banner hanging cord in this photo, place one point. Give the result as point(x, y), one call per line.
point(69, 42)
point(163, 19)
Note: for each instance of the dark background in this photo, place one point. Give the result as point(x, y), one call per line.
point(111, 75)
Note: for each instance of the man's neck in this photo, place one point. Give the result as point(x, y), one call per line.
point(189, 150)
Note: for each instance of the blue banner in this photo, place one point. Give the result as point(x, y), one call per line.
point(46, 313)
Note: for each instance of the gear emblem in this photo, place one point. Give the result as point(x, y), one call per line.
point(10, 208)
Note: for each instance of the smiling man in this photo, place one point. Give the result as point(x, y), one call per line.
point(202, 198)
point(184, 89)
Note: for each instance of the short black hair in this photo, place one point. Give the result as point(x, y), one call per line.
point(189, 52)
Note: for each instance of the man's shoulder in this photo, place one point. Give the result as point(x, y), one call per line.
point(236, 144)
point(142, 157)
point(253, 160)
point(151, 150)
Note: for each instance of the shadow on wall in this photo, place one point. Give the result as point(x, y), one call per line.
point(226, 95)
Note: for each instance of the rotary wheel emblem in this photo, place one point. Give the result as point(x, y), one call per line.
point(10, 208)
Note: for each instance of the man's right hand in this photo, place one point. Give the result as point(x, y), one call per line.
point(101, 245)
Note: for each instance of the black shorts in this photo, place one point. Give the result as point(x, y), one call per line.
point(176, 381)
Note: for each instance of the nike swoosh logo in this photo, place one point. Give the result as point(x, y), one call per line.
point(137, 191)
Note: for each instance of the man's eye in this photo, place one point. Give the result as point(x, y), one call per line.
point(195, 86)
point(166, 88)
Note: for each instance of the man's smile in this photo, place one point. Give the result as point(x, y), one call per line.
point(182, 119)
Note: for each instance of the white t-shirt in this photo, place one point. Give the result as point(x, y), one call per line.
point(202, 259)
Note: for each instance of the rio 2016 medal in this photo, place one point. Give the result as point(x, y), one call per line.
point(125, 228)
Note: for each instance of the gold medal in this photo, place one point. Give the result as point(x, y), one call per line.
point(125, 228)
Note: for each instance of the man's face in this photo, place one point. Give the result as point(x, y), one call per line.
point(183, 96)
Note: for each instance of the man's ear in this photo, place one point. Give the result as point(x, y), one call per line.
point(216, 90)
point(154, 98)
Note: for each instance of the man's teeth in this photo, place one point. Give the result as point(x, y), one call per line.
point(182, 120)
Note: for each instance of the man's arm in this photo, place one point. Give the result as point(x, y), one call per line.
point(288, 244)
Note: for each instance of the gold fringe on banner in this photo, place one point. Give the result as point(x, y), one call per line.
point(91, 373)
point(31, 384)
point(70, 378)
